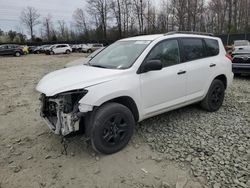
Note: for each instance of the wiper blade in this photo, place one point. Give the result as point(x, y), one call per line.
point(100, 66)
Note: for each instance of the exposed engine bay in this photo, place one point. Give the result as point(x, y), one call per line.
point(61, 112)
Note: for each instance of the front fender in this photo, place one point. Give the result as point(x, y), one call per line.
point(124, 86)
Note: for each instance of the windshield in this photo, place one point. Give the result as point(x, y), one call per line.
point(120, 55)
point(95, 53)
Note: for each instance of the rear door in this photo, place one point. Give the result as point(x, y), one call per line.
point(199, 65)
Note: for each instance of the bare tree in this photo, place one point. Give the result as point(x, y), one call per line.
point(80, 21)
point(99, 8)
point(48, 27)
point(116, 7)
point(30, 18)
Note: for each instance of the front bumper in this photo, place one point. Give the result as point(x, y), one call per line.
point(59, 122)
point(241, 68)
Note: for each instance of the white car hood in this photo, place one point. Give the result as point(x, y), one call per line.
point(77, 77)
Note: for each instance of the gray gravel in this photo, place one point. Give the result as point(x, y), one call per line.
point(214, 145)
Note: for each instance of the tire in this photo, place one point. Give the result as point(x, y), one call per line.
point(112, 128)
point(37, 52)
point(215, 96)
point(51, 53)
point(67, 51)
point(89, 51)
point(17, 54)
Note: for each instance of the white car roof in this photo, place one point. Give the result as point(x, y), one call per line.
point(156, 36)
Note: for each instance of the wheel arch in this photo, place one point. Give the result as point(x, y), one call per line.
point(222, 78)
point(128, 102)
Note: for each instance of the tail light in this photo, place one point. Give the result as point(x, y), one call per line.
point(229, 57)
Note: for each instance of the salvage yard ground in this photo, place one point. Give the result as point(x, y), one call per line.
point(186, 148)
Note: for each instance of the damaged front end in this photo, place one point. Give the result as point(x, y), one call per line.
point(61, 112)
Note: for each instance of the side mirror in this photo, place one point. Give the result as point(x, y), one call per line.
point(151, 65)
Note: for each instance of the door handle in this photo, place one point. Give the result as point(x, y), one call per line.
point(181, 72)
point(212, 65)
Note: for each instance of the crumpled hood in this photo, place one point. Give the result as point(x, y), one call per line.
point(72, 78)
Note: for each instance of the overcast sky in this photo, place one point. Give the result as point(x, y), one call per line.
point(10, 11)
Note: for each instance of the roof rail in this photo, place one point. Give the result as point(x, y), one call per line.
point(189, 32)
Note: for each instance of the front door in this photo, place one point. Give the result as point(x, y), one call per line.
point(167, 87)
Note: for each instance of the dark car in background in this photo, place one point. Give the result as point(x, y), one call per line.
point(31, 49)
point(40, 49)
point(11, 49)
point(241, 64)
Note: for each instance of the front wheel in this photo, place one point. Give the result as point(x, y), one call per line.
point(215, 96)
point(67, 51)
point(51, 53)
point(113, 126)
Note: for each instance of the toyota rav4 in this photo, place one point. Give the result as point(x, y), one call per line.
point(134, 79)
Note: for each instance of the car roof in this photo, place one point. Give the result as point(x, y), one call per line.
point(156, 36)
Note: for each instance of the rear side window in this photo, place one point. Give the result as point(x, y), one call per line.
point(212, 47)
point(193, 49)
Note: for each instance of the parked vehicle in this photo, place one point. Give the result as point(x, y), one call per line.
point(241, 47)
point(11, 49)
point(31, 49)
point(83, 60)
point(132, 80)
point(25, 50)
point(241, 43)
point(59, 49)
point(241, 64)
point(40, 49)
point(91, 48)
point(77, 47)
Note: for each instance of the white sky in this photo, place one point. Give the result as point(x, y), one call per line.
point(10, 11)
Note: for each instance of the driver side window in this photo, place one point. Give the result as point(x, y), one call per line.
point(166, 51)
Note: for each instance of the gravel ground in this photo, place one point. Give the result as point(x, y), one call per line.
point(214, 145)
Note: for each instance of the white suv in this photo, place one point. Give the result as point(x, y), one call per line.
point(91, 47)
point(59, 49)
point(131, 80)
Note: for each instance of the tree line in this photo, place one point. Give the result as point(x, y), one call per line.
point(103, 20)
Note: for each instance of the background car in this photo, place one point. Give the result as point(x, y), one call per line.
point(241, 64)
point(83, 60)
point(11, 49)
point(40, 49)
point(25, 50)
point(59, 49)
point(31, 49)
point(91, 48)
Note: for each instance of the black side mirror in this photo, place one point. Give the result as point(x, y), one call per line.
point(151, 65)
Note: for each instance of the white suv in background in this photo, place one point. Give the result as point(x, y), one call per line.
point(59, 49)
point(89, 48)
point(134, 79)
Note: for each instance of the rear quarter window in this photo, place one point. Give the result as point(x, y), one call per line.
point(212, 47)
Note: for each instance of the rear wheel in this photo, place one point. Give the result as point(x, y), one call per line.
point(17, 54)
point(89, 51)
point(113, 126)
point(215, 96)
point(67, 51)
